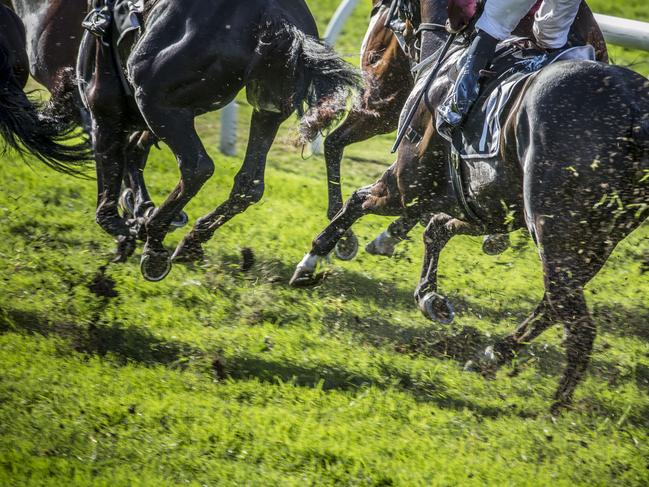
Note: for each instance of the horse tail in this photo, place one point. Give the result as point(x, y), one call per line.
point(324, 83)
point(26, 127)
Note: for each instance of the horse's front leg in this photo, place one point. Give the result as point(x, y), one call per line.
point(176, 128)
point(440, 230)
point(359, 125)
point(373, 199)
point(248, 186)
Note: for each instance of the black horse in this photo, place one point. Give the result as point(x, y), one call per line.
point(194, 57)
point(25, 126)
point(573, 169)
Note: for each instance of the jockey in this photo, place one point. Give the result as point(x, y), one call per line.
point(552, 23)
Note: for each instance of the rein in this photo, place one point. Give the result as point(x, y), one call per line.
point(454, 160)
point(403, 127)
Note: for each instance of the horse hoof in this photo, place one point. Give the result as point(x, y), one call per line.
point(305, 273)
point(188, 250)
point(179, 221)
point(347, 246)
point(155, 265)
point(383, 245)
point(303, 278)
point(127, 202)
point(495, 244)
point(437, 308)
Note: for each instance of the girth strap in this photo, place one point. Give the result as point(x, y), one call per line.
point(455, 170)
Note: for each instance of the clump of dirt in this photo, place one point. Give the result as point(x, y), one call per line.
point(218, 368)
point(247, 259)
point(103, 285)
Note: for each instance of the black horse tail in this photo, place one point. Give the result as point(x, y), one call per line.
point(324, 83)
point(27, 128)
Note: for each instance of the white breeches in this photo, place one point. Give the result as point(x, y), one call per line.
point(551, 23)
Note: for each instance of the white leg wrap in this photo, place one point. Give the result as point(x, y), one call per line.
point(309, 262)
point(385, 243)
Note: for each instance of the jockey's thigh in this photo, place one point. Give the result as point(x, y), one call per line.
point(500, 17)
point(553, 20)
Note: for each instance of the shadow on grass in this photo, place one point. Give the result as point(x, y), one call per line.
point(132, 344)
point(444, 343)
point(363, 288)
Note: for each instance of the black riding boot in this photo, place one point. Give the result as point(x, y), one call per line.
point(467, 87)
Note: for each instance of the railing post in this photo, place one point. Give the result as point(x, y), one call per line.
point(228, 145)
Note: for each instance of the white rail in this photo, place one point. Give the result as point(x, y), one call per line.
point(624, 32)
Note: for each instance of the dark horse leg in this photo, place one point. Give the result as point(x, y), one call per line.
point(248, 185)
point(358, 205)
point(440, 230)
point(135, 200)
point(358, 126)
point(176, 128)
point(571, 255)
point(397, 231)
point(109, 149)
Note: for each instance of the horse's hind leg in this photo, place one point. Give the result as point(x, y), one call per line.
point(109, 158)
point(572, 254)
point(248, 186)
point(397, 231)
point(135, 199)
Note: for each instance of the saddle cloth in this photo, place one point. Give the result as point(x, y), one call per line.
point(480, 135)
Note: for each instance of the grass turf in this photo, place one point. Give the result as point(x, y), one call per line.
point(217, 376)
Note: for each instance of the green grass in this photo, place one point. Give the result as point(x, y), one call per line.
point(218, 377)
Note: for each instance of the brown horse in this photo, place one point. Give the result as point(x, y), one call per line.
point(388, 80)
point(179, 69)
point(24, 126)
point(575, 139)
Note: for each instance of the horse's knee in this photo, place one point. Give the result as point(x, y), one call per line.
point(435, 225)
point(247, 192)
point(196, 175)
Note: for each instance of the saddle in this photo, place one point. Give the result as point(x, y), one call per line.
point(516, 61)
point(119, 24)
point(476, 143)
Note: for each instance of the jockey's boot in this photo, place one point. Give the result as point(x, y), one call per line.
point(467, 86)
